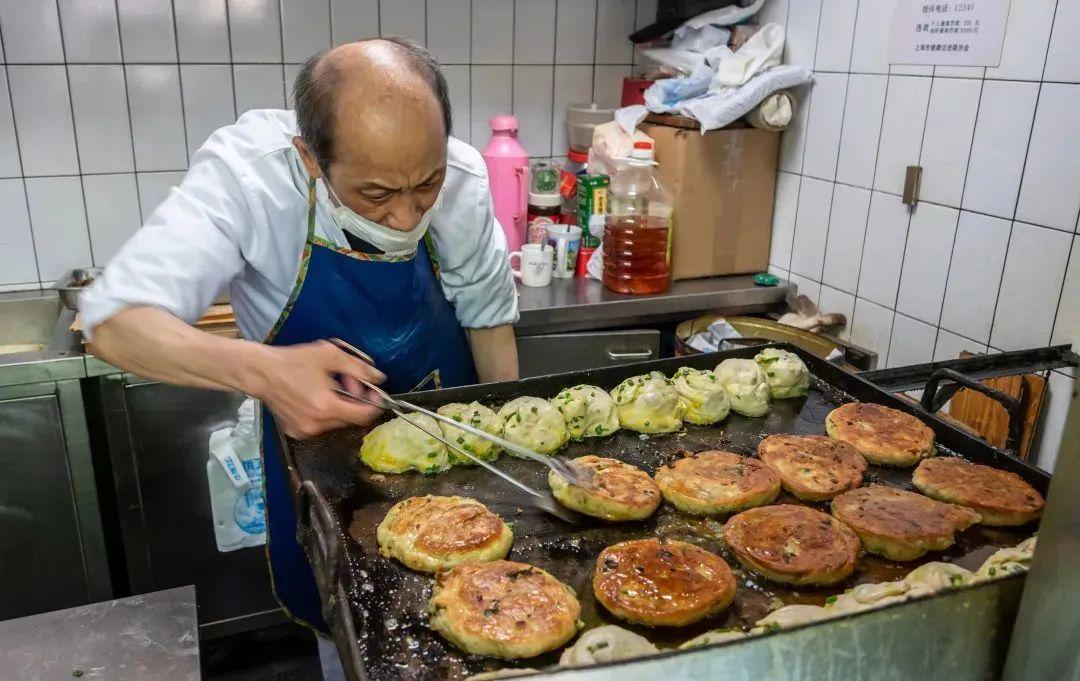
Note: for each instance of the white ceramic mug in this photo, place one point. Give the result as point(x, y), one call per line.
point(566, 241)
point(536, 264)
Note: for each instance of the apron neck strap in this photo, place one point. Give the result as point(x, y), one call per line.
point(311, 210)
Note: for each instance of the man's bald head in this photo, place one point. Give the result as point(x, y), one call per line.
point(386, 76)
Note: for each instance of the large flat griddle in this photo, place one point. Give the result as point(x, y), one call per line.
point(377, 607)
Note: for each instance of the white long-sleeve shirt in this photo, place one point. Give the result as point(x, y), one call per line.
point(239, 220)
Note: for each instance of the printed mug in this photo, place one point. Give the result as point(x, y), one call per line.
point(536, 264)
point(565, 240)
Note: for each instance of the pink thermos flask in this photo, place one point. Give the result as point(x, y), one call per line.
point(508, 174)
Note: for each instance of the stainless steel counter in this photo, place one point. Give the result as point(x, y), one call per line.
point(576, 304)
point(150, 637)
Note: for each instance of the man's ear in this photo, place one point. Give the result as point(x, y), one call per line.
point(308, 158)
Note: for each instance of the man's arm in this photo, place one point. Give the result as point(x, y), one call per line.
point(297, 382)
point(494, 352)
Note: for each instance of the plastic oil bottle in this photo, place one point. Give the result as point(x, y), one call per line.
point(637, 230)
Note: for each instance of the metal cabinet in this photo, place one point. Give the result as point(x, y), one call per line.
point(157, 437)
point(52, 553)
point(561, 352)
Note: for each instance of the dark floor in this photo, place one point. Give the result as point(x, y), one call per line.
point(285, 652)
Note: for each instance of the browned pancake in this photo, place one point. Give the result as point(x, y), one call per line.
point(617, 490)
point(900, 525)
point(882, 435)
point(792, 544)
point(1000, 497)
point(503, 609)
point(813, 467)
point(430, 533)
point(714, 482)
point(662, 583)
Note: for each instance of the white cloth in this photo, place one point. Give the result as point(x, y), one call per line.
point(239, 220)
point(764, 49)
point(717, 109)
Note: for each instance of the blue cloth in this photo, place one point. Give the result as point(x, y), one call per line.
point(396, 312)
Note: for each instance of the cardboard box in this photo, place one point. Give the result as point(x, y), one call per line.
point(723, 184)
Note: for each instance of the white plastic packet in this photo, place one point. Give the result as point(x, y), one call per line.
point(234, 474)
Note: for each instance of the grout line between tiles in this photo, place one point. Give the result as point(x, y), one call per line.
point(75, 134)
point(22, 168)
point(232, 66)
point(1016, 206)
point(959, 214)
point(870, 208)
point(180, 84)
point(836, 167)
point(127, 101)
point(907, 229)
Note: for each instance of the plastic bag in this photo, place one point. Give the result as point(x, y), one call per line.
point(762, 51)
point(725, 16)
point(234, 474)
point(717, 109)
point(699, 39)
point(663, 95)
point(683, 61)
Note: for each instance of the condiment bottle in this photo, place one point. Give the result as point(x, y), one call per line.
point(637, 230)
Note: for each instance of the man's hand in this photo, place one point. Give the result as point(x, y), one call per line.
point(297, 383)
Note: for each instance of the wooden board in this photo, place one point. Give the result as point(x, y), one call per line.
point(990, 420)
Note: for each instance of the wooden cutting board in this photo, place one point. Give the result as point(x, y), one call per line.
point(990, 420)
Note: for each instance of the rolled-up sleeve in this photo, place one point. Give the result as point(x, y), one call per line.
point(472, 252)
point(183, 256)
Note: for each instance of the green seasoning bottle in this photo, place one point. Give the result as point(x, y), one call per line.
point(592, 193)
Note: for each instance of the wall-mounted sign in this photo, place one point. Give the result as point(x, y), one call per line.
point(953, 32)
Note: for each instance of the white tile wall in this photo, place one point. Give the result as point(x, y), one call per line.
point(824, 121)
point(989, 260)
point(1000, 145)
point(18, 265)
point(847, 229)
point(811, 227)
point(58, 220)
point(103, 102)
point(901, 131)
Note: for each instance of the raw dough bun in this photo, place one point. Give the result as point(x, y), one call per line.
point(792, 616)
point(588, 411)
point(534, 424)
point(746, 385)
point(477, 416)
point(1007, 561)
point(932, 577)
point(606, 644)
point(703, 398)
point(715, 636)
point(396, 446)
point(785, 371)
point(648, 404)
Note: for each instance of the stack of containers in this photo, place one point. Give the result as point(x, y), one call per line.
point(582, 194)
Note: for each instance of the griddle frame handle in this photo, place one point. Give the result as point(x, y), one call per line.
point(328, 552)
point(934, 398)
point(327, 544)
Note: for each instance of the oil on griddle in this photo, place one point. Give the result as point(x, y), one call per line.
point(389, 600)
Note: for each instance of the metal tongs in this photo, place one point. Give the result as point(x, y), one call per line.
point(575, 475)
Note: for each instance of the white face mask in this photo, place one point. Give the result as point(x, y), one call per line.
point(389, 241)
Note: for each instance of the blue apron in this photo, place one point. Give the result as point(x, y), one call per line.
point(391, 307)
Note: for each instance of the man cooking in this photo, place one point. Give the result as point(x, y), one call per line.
point(356, 217)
